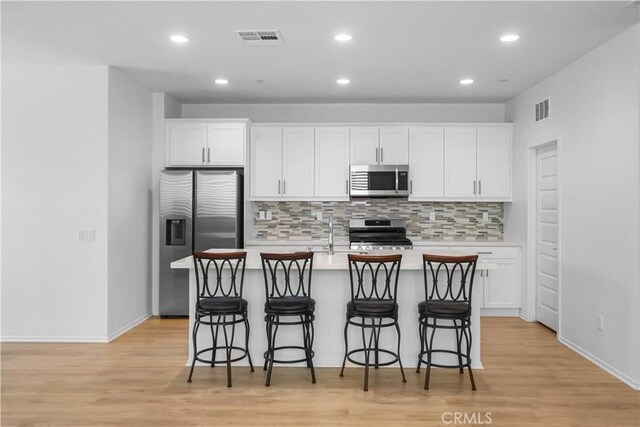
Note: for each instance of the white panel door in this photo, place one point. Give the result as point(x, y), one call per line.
point(332, 163)
point(364, 146)
point(547, 237)
point(394, 146)
point(297, 162)
point(460, 162)
point(426, 162)
point(266, 162)
point(225, 144)
point(186, 144)
point(494, 162)
point(502, 286)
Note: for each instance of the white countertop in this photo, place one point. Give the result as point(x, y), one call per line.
point(411, 259)
point(345, 243)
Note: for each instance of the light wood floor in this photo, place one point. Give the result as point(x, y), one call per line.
point(529, 380)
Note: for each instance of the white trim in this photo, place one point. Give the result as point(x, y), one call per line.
point(378, 124)
point(129, 326)
point(601, 364)
point(56, 338)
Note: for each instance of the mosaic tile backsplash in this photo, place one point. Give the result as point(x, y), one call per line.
point(454, 220)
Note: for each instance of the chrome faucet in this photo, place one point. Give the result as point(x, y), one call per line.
point(330, 245)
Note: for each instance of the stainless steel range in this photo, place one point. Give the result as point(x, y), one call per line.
point(378, 234)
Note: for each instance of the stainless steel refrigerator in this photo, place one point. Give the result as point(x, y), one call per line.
point(199, 210)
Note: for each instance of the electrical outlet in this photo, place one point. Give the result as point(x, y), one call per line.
point(601, 322)
point(87, 234)
point(262, 215)
point(269, 216)
point(432, 216)
point(485, 216)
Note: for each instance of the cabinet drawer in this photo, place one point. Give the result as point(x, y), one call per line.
point(495, 252)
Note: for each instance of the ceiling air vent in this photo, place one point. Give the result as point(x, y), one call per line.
point(542, 110)
point(260, 37)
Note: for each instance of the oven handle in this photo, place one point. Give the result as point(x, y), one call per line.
point(396, 180)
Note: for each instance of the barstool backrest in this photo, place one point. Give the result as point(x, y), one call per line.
point(287, 275)
point(374, 277)
point(219, 274)
point(454, 287)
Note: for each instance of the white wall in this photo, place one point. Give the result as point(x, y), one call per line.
point(336, 113)
point(54, 176)
point(594, 114)
point(130, 203)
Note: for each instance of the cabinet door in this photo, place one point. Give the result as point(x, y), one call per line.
point(297, 162)
point(394, 146)
point(186, 144)
point(426, 162)
point(502, 286)
point(460, 162)
point(266, 162)
point(494, 162)
point(364, 146)
point(332, 163)
point(225, 144)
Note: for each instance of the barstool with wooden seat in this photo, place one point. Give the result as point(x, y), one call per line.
point(448, 283)
point(219, 283)
point(373, 306)
point(287, 280)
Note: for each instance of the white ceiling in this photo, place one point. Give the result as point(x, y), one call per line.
point(401, 51)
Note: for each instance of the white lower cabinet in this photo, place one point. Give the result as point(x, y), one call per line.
point(500, 287)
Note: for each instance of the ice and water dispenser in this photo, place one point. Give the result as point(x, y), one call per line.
point(176, 232)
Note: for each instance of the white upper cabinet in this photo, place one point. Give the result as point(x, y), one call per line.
point(426, 163)
point(193, 143)
point(460, 163)
point(332, 163)
point(297, 162)
point(226, 144)
point(186, 144)
point(394, 146)
point(365, 148)
point(494, 162)
point(266, 162)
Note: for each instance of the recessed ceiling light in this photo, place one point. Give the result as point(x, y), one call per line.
point(343, 81)
point(503, 81)
point(343, 37)
point(509, 38)
point(466, 81)
point(259, 81)
point(221, 81)
point(179, 39)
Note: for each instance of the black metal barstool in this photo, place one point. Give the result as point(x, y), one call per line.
point(219, 283)
point(287, 280)
point(373, 306)
point(448, 300)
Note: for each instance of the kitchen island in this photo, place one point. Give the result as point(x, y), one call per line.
point(331, 290)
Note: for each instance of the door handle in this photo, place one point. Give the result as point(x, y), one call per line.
point(347, 186)
point(208, 155)
point(202, 154)
point(479, 187)
point(381, 155)
point(411, 187)
point(377, 155)
point(284, 186)
point(474, 187)
point(396, 178)
point(278, 186)
point(485, 253)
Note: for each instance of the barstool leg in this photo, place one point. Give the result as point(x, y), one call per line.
point(404, 380)
point(459, 344)
point(214, 338)
point(272, 345)
point(228, 351)
point(429, 348)
point(468, 337)
point(421, 333)
point(266, 353)
point(246, 340)
point(195, 348)
point(346, 347)
point(305, 338)
point(367, 350)
point(308, 349)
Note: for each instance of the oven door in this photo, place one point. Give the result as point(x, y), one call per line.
point(379, 181)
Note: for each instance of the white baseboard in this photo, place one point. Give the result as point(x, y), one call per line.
point(602, 364)
point(58, 338)
point(129, 326)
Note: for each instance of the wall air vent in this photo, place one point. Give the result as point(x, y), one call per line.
point(542, 110)
point(260, 37)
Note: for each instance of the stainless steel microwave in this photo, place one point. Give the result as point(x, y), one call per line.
point(379, 181)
